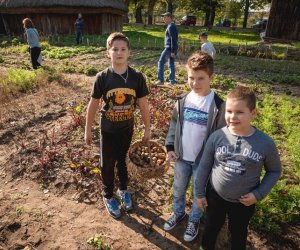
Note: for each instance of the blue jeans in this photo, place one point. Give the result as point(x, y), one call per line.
point(166, 55)
point(183, 171)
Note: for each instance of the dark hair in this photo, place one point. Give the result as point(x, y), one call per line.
point(116, 36)
point(27, 23)
point(200, 60)
point(245, 94)
point(203, 34)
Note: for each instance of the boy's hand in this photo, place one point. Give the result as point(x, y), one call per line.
point(248, 199)
point(146, 136)
point(88, 137)
point(202, 204)
point(172, 156)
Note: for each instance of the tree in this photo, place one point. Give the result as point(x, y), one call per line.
point(284, 20)
point(234, 9)
point(253, 4)
point(151, 4)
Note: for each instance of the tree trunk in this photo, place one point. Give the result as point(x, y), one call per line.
point(138, 14)
point(207, 14)
point(212, 15)
point(284, 20)
point(170, 6)
point(246, 13)
point(151, 5)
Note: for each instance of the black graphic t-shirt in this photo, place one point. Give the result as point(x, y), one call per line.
point(119, 97)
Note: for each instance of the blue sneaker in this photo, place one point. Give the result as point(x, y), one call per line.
point(112, 207)
point(126, 199)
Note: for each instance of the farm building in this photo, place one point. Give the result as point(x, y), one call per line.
point(58, 16)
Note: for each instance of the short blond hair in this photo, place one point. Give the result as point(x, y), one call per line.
point(243, 93)
point(200, 60)
point(116, 36)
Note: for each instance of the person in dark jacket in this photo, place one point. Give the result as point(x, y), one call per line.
point(169, 52)
point(79, 27)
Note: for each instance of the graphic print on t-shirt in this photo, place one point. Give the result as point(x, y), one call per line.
point(195, 116)
point(121, 104)
point(236, 161)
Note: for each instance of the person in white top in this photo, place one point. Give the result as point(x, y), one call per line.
point(207, 46)
point(195, 116)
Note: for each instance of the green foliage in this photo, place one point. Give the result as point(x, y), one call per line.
point(67, 52)
point(1, 60)
point(90, 71)
point(97, 242)
point(19, 80)
point(281, 206)
point(279, 117)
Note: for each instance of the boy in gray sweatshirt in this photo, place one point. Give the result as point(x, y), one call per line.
point(232, 164)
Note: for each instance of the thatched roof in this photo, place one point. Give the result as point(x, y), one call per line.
point(10, 4)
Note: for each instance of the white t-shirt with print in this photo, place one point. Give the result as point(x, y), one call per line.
point(195, 117)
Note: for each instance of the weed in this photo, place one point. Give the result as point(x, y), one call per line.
point(97, 242)
point(20, 211)
point(91, 71)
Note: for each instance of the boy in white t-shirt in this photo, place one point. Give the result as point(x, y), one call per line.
point(196, 115)
point(207, 46)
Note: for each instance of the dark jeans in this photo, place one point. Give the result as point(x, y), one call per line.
point(114, 147)
point(34, 54)
point(238, 214)
point(79, 35)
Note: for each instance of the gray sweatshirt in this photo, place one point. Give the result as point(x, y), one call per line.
point(234, 165)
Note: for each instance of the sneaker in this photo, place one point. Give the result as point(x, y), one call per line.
point(191, 231)
point(112, 207)
point(126, 199)
point(173, 221)
point(158, 82)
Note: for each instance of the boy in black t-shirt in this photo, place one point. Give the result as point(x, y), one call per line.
point(120, 87)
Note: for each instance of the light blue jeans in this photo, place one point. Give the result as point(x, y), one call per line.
point(165, 56)
point(183, 171)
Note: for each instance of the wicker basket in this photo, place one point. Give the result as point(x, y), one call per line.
point(138, 172)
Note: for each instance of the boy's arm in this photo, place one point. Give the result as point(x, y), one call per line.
point(272, 166)
point(144, 106)
point(204, 168)
point(90, 117)
point(170, 138)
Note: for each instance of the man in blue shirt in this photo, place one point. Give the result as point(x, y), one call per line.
point(79, 26)
point(170, 50)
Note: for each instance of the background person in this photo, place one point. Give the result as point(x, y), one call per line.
point(170, 50)
point(79, 27)
point(207, 46)
point(32, 36)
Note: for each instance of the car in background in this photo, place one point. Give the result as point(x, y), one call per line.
point(188, 20)
point(260, 25)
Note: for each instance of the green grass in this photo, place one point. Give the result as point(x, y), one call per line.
point(261, 70)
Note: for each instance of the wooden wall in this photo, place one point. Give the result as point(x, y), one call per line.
point(63, 23)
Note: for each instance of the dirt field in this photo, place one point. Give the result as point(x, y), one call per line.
point(47, 205)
